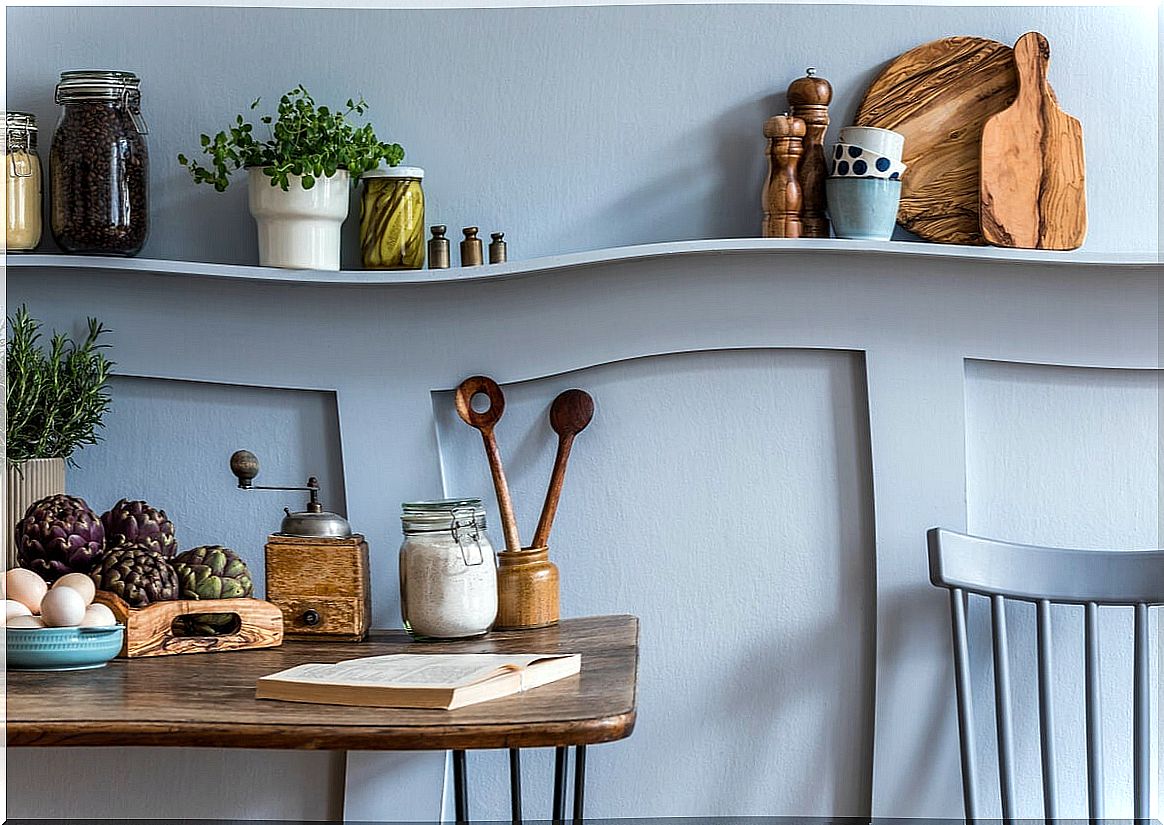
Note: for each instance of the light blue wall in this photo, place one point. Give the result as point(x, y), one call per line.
point(584, 128)
point(571, 128)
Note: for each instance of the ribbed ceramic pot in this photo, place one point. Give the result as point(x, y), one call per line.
point(28, 482)
point(299, 228)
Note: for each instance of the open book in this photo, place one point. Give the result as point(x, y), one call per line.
point(412, 680)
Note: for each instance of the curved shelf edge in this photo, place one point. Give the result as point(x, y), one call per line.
point(576, 259)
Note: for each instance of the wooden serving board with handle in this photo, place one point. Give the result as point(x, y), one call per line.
point(940, 95)
point(149, 630)
point(1032, 184)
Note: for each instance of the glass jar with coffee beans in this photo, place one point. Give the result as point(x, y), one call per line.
point(99, 165)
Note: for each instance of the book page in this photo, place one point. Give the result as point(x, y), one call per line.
point(408, 670)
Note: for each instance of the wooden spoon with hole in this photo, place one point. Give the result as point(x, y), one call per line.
point(485, 422)
point(569, 415)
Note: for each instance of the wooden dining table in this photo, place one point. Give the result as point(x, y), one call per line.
point(209, 701)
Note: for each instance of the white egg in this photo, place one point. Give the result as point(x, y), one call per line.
point(25, 621)
point(79, 582)
point(63, 607)
point(25, 587)
point(13, 608)
point(98, 615)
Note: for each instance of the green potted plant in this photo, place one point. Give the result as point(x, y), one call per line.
point(55, 404)
point(299, 177)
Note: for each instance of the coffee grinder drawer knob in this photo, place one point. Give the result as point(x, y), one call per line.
point(311, 618)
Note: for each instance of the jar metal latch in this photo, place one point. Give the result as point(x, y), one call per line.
point(131, 100)
point(466, 535)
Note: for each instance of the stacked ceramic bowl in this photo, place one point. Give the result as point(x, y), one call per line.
point(864, 184)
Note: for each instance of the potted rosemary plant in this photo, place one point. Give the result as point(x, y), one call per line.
point(55, 404)
point(299, 177)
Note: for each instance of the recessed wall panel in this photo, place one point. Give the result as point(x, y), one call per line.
point(1068, 457)
point(724, 498)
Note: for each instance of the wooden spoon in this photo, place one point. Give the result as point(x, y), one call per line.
point(569, 415)
point(485, 422)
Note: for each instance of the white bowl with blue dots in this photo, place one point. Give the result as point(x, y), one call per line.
point(849, 161)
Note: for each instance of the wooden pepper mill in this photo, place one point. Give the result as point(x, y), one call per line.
point(809, 98)
point(782, 195)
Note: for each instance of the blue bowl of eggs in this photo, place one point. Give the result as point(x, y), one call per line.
point(57, 628)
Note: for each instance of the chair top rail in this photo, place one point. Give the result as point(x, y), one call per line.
point(1056, 574)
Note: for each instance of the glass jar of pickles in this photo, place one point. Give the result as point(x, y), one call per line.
point(22, 183)
point(392, 218)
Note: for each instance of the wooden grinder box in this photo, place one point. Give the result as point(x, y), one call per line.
point(321, 585)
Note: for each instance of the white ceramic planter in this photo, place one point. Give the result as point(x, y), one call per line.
point(299, 228)
point(30, 481)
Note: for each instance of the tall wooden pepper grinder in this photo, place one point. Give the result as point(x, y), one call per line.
point(809, 99)
point(782, 195)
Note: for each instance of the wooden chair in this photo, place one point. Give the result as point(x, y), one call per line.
point(1045, 576)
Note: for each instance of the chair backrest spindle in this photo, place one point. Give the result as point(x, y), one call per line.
point(964, 696)
point(1094, 714)
point(1141, 712)
point(1002, 710)
point(1047, 711)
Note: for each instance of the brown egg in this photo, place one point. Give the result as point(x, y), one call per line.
point(79, 582)
point(25, 587)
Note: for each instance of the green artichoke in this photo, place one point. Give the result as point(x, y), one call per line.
point(137, 574)
point(59, 535)
point(137, 523)
point(211, 572)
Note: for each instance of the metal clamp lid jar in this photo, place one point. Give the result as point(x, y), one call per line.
point(448, 570)
point(99, 164)
point(392, 218)
point(22, 183)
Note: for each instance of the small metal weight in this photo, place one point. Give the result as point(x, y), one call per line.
point(438, 248)
point(472, 249)
point(497, 251)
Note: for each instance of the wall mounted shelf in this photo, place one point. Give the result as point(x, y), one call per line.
point(572, 260)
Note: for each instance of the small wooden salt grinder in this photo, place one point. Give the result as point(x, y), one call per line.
point(527, 589)
point(782, 195)
point(809, 98)
point(472, 250)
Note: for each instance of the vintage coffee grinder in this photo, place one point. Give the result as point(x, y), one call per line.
point(317, 568)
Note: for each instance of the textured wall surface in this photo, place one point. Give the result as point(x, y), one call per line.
point(583, 128)
point(571, 128)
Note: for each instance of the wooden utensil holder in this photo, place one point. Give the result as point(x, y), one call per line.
point(149, 630)
point(527, 589)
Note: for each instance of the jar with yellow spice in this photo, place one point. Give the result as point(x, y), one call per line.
point(392, 218)
point(22, 184)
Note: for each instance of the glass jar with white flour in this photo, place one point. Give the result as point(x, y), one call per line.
point(448, 571)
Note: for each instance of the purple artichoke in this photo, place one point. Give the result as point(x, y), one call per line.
point(59, 535)
point(137, 574)
point(135, 523)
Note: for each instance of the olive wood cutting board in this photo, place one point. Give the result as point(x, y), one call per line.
point(1032, 183)
point(940, 95)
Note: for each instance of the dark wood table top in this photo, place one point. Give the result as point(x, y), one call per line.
point(208, 700)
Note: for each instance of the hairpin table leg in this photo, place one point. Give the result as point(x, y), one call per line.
point(560, 784)
point(460, 792)
point(579, 782)
point(515, 785)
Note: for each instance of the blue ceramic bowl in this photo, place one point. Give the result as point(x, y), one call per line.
point(62, 648)
point(863, 208)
